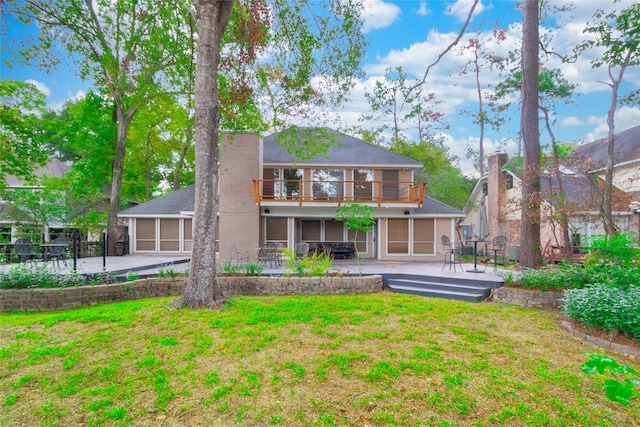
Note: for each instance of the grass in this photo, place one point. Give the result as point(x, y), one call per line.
point(377, 359)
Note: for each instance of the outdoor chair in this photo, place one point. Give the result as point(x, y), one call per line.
point(451, 253)
point(235, 255)
point(24, 247)
point(58, 248)
point(270, 255)
point(498, 246)
point(302, 250)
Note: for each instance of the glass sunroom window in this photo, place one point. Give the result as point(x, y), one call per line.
point(326, 185)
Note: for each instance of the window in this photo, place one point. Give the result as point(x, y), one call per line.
point(170, 235)
point(398, 236)
point(509, 181)
point(146, 234)
point(326, 185)
point(362, 184)
point(290, 189)
point(282, 184)
point(187, 232)
point(311, 230)
point(333, 231)
point(360, 239)
point(277, 230)
point(423, 236)
point(485, 188)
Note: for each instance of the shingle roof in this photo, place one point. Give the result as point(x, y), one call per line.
point(54, 167)
point(172, 204)
point(581, 193)
point(627, 147)
point(433, 207)
point(348, 151)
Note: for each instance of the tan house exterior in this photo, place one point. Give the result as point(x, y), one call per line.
point(268, 195)
point(502, 192)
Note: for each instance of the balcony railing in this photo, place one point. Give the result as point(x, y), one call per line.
point(302, 192)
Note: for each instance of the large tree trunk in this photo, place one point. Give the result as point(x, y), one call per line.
point(202, 288)
point(530, 216)
point(124, 120)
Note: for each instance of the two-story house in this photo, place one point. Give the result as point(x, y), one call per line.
point(582, 182)
point(268, 195)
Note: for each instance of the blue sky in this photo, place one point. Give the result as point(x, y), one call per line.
point(412, 34)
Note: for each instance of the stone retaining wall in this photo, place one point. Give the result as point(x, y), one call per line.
point(67, 298)
point(527, 297)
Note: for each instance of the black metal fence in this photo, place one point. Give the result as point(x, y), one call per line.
point(9, 255)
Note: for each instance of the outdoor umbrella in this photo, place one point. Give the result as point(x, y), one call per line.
point(482, 225)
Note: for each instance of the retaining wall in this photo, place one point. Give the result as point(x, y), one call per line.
point(67, 298)
point(527, 297)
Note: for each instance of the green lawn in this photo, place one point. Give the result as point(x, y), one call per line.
point(376, 359)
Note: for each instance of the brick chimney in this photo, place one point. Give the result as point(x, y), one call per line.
point(240, 162)
point(496, 199)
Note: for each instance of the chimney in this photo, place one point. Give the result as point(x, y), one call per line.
point(497, 192)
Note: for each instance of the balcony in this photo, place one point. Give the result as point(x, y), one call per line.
point(272, 192)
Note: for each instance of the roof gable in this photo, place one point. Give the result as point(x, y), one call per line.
point(347, 151)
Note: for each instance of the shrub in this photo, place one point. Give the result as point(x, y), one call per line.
point(245, 268)
point(34, 275)
point(550, 278)
point(316, 265)
point(573, 276)
point(620, 248)
point(605, 306)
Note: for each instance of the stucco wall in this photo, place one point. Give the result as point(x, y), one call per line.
point(68, 298)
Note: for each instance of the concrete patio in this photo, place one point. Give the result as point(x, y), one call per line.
point(152, 264)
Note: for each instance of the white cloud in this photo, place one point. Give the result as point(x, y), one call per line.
point(460, 9)
point(571, 121)
point(424, 9)
point(625, 118)
point(58, 105)
point(40, 86)
point(378, 14)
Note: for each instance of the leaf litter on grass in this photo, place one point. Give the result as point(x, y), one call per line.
point(380, 359)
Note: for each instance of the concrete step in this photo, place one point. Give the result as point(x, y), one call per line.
point(442, 287)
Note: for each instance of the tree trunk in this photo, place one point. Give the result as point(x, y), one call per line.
point(202, 288)
point(607, 218)
point(481, 117)
point(530, 215)
point(183, 157)
point(558, 199)
point(124, 120)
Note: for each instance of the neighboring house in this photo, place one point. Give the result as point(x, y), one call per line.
point(267, 195)
point(10, 230)
point(583, 183)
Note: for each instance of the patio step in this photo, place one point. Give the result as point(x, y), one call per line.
point(457, 288)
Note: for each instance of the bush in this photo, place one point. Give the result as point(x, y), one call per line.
point(316, 265)
point(550, 278)
point(33, 275)
point(605, 306)
point(620, 248)
point(573, 276)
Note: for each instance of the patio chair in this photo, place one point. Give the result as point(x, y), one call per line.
point(302, 250)
point(236, 256)
point(270, 255)
point(57, 251)
point(497, 246)
point(24, 247)
point(451, 253)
